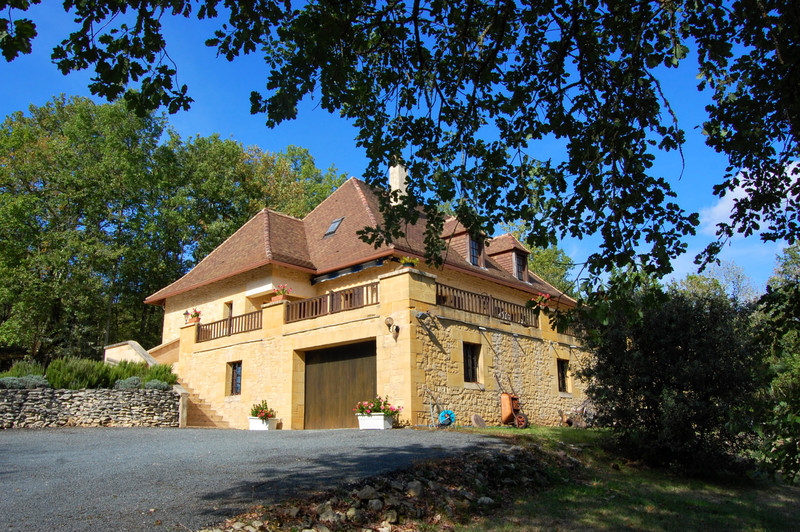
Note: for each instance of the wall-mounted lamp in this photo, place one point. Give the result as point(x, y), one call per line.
point(423, 315)
point(481, 328)
point(186, 316)
point(394, 329)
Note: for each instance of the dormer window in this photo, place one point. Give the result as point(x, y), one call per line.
point(333, 227)
point(475, 250)
point(521, 266)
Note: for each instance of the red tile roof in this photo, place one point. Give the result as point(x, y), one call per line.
point(503, 243)
point(273, 238)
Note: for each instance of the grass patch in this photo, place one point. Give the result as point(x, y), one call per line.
point(611, 493)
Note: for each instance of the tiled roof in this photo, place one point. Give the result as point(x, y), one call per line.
point(271, 237)
point(503, 243)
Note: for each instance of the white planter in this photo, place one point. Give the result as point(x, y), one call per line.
point(374, 421)
point(257, 424)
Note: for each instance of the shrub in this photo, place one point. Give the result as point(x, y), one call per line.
point(34, 381)
point(24, 367)
point(155, 384)
point(77, 373)
point(10, 383)
point(131, 383)
point(676, 384)
point(161, 372)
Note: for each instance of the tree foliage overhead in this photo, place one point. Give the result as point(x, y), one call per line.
point(100, 208)
point(465, 93)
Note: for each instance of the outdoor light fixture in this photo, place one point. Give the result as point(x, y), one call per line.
point(423, 315)
point(389, 322)
point(186, 316)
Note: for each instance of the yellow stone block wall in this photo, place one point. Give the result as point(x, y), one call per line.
point(412, 356)
point(524, 364)
point(210, 299)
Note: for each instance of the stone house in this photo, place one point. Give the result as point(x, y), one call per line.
point(358, 323)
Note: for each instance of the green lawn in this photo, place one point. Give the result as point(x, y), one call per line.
point(612, 494)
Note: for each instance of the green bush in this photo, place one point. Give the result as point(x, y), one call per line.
point(131, 383)
point(161, 372)
point(10, 383)
point(156, 384)
point(24, 367)
point(34, 381)
point(77, 373)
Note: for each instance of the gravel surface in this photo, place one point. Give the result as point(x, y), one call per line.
point(146, 478)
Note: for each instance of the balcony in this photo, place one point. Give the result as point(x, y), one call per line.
point(228, 326)
point(333, 302)
point(484, 304)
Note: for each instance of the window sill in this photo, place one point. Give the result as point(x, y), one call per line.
point(565, 394)
point(474, 386)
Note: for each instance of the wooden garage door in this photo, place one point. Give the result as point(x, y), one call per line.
point(336, 379)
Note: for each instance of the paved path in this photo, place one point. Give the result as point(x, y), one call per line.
point(134, 479)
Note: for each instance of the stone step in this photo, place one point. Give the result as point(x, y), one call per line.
point(200, 414)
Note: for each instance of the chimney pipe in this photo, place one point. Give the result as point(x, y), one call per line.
point(397, 179)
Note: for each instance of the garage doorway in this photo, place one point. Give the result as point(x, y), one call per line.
point(336, 379)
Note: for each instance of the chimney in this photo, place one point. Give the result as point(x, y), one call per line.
point(397, 179)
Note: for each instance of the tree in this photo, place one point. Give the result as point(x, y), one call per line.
point(464, 93)
point(780, 333)
point(97, 213)
point(723, 279)
point(676, 383)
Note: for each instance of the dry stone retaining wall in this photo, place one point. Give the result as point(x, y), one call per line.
point(44, 407)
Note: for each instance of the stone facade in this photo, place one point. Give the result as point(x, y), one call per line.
point(44, 407)
point(418, 359)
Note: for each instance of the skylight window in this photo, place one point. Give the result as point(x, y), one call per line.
point(333, 227)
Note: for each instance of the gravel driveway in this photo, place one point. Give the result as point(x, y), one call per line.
point(146, 478)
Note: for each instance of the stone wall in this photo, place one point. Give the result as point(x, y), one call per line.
point(510, 361)
point(44, 407)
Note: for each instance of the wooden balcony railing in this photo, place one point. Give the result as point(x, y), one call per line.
point(350, 298)
point(228, 326)
point(456, 298)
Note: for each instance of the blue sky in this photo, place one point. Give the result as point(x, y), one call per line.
point(221, 92)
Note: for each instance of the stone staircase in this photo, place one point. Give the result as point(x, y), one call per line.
point(200, 414)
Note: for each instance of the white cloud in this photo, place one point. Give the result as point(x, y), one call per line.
point(718, 212)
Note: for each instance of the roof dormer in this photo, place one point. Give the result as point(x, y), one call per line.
point(511, 255)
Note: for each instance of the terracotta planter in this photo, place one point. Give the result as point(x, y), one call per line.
point(374, 421)
point(280, 297)
point(257, 424)
point(193, 320)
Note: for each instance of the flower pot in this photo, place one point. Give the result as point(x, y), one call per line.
point(257, 424)
point(374, 421)
point(193, 320)
point(280, 297)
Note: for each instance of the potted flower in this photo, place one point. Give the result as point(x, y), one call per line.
point(540, 302)
point(408, 262)
point(194, 316)
point(281, 292)
point(262, 417)
point(376, 414)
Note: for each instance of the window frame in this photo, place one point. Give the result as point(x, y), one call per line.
point(475, 251)
point(562, 375)
point(471, 359)
point(234, 378)
point(521, 265)
point(333, 227)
